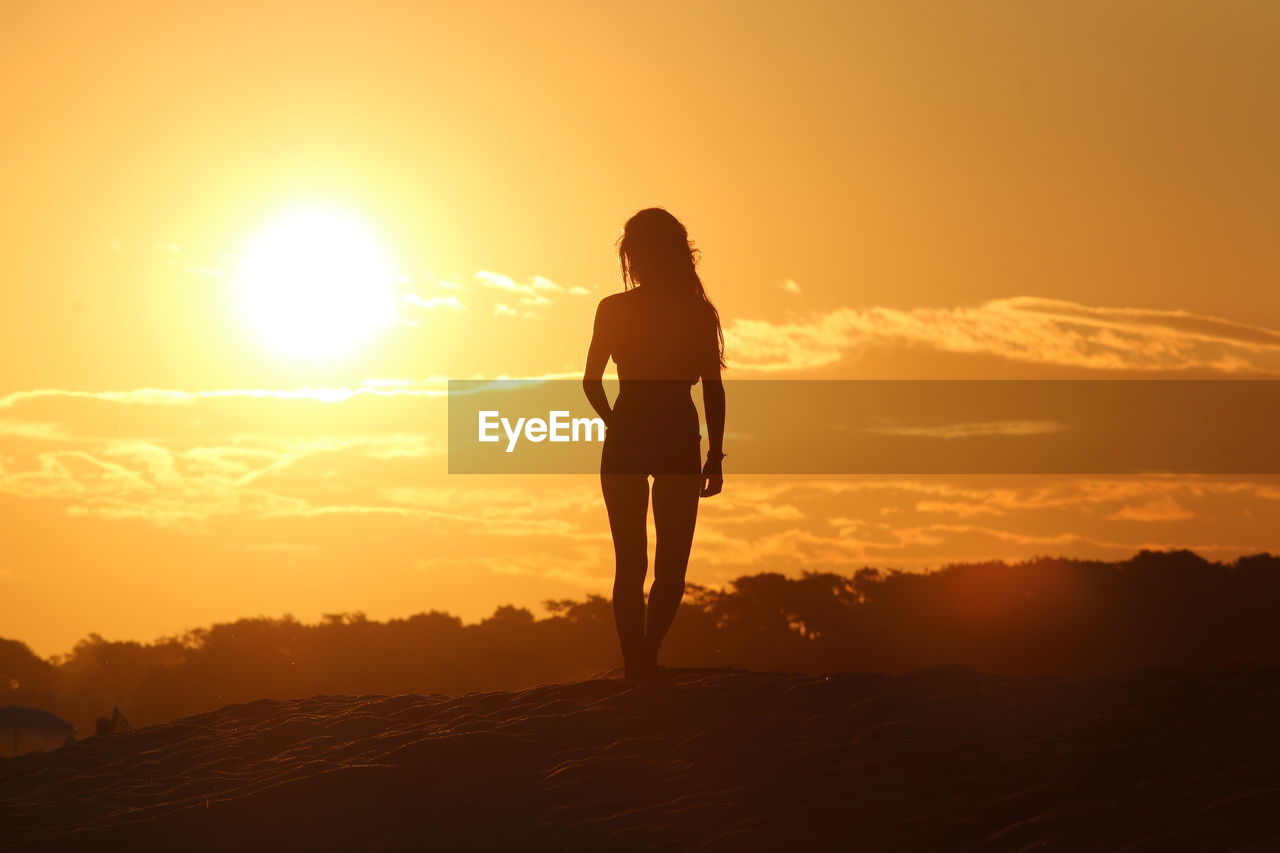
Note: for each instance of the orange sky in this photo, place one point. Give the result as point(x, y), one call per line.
point(952, 190)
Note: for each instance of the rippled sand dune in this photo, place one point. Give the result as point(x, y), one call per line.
point(713, 759)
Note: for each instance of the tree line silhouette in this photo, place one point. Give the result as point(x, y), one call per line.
point(1045, 616)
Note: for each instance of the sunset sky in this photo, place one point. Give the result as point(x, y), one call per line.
point(880, 190)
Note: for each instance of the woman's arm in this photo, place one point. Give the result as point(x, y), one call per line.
point(597, 357)
point(713, 405)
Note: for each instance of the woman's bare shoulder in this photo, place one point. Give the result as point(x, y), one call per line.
point(617, 302)
point(614, 300)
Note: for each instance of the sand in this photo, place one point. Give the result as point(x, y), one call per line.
point(713, 759)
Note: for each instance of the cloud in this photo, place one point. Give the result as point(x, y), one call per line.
point(174, 484)
point(431, 387)
point(505, 282)
point(1020, 329)
point(963, 509)
point(510, 512)
point(434, 302)
point(12, 428)
point(534, 294)
point(587, 571)
point(373, 465)
point(426, 388)
point(917, 547)
point(1164, 509)
point(972, 429)
point(847, 523)
point(181, 458)
point(1034, 493)
point(790, 286)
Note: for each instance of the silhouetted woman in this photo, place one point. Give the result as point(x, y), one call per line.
point(664, 335)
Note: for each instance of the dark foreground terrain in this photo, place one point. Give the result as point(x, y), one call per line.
point(713, 759)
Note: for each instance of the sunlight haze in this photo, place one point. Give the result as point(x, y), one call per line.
point(244, 245)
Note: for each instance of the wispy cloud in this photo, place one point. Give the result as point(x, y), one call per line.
point(897, 522)
point(1022, 329)
point(1163, 509)
point(506, 282)
point(433, 387)
point(174, 483)
point(972, 429)
point(434, 302)
point(535, 293)
point(12, 428)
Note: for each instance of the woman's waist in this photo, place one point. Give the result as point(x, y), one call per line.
point(654, 436)
point(657, 391)
point(673, 416)
point(657, 387)
point(654, 406)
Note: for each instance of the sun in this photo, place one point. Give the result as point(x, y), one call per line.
point(316, 283)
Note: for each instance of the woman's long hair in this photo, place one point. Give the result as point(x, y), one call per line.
point(662, 246)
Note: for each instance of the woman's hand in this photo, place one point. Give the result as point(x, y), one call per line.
point(712, 477)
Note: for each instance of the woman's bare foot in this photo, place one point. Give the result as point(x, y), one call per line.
point(637, 667)
point(636, 672)
point(662, 673)
point(644, 667)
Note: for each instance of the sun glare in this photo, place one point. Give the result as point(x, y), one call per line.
point(315, 283)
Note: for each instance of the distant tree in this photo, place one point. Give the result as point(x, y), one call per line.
point(1044, 615)
point(21, 670)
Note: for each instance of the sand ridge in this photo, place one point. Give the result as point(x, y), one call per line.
point(712, 759)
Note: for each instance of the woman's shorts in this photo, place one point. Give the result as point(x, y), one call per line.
point(640, 451)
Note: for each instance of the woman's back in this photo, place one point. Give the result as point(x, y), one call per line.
point(656, 335)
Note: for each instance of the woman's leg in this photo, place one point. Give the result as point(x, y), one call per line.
point(675, 512)
point(626, 498)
